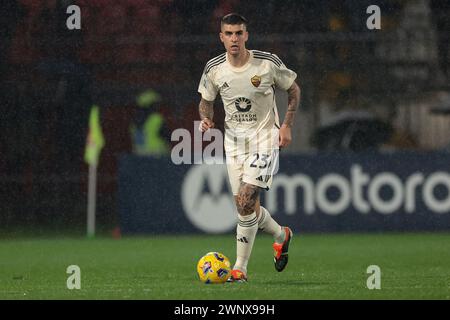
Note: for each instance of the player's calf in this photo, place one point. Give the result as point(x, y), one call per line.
point(247, 225)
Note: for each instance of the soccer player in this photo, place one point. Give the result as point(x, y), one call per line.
point(246, 80)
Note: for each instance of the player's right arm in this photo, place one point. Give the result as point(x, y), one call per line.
point(208, 91)
point(206, 111)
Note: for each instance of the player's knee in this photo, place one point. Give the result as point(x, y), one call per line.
point(245, 208)
point(246, 199)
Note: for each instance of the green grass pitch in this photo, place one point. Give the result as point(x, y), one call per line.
point(321, 266)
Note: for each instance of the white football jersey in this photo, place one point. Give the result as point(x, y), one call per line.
point(248, 95)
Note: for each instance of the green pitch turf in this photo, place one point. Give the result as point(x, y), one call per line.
point(413, 266)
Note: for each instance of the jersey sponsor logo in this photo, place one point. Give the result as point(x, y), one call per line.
point(245, 117)
point(256, 81)
point(243, 104)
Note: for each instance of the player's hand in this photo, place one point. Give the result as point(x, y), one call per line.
point(206, 124)
point(285, 136)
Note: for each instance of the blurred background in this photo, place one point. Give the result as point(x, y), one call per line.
point(363, 90)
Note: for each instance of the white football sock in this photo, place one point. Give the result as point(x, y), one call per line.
point(269, 225)
point(245, 236)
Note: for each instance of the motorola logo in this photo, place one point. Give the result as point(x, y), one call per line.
point(207, 199)
point(361, 191)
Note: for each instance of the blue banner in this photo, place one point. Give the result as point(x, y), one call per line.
point(315, 193)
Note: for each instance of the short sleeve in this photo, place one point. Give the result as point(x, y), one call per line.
point(283, 77)
point(207, 88)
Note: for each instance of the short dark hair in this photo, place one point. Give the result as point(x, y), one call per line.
point(233, 18)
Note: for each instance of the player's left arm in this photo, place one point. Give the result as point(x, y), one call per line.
point(293, 103)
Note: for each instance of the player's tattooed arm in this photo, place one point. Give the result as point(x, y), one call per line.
point(247, 198)
point(293, 102)
point(206, 111)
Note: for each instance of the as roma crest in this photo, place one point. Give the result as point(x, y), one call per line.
point(256, 81)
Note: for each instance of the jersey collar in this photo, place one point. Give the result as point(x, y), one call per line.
point(244, 67)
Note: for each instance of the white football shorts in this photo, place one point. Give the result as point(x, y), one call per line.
point(256, 168)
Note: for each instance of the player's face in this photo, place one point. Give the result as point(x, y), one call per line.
point(234, 37)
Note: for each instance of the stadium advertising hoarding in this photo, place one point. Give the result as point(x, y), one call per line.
point(321, 193)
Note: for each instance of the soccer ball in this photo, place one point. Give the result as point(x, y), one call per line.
point(214, 267)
